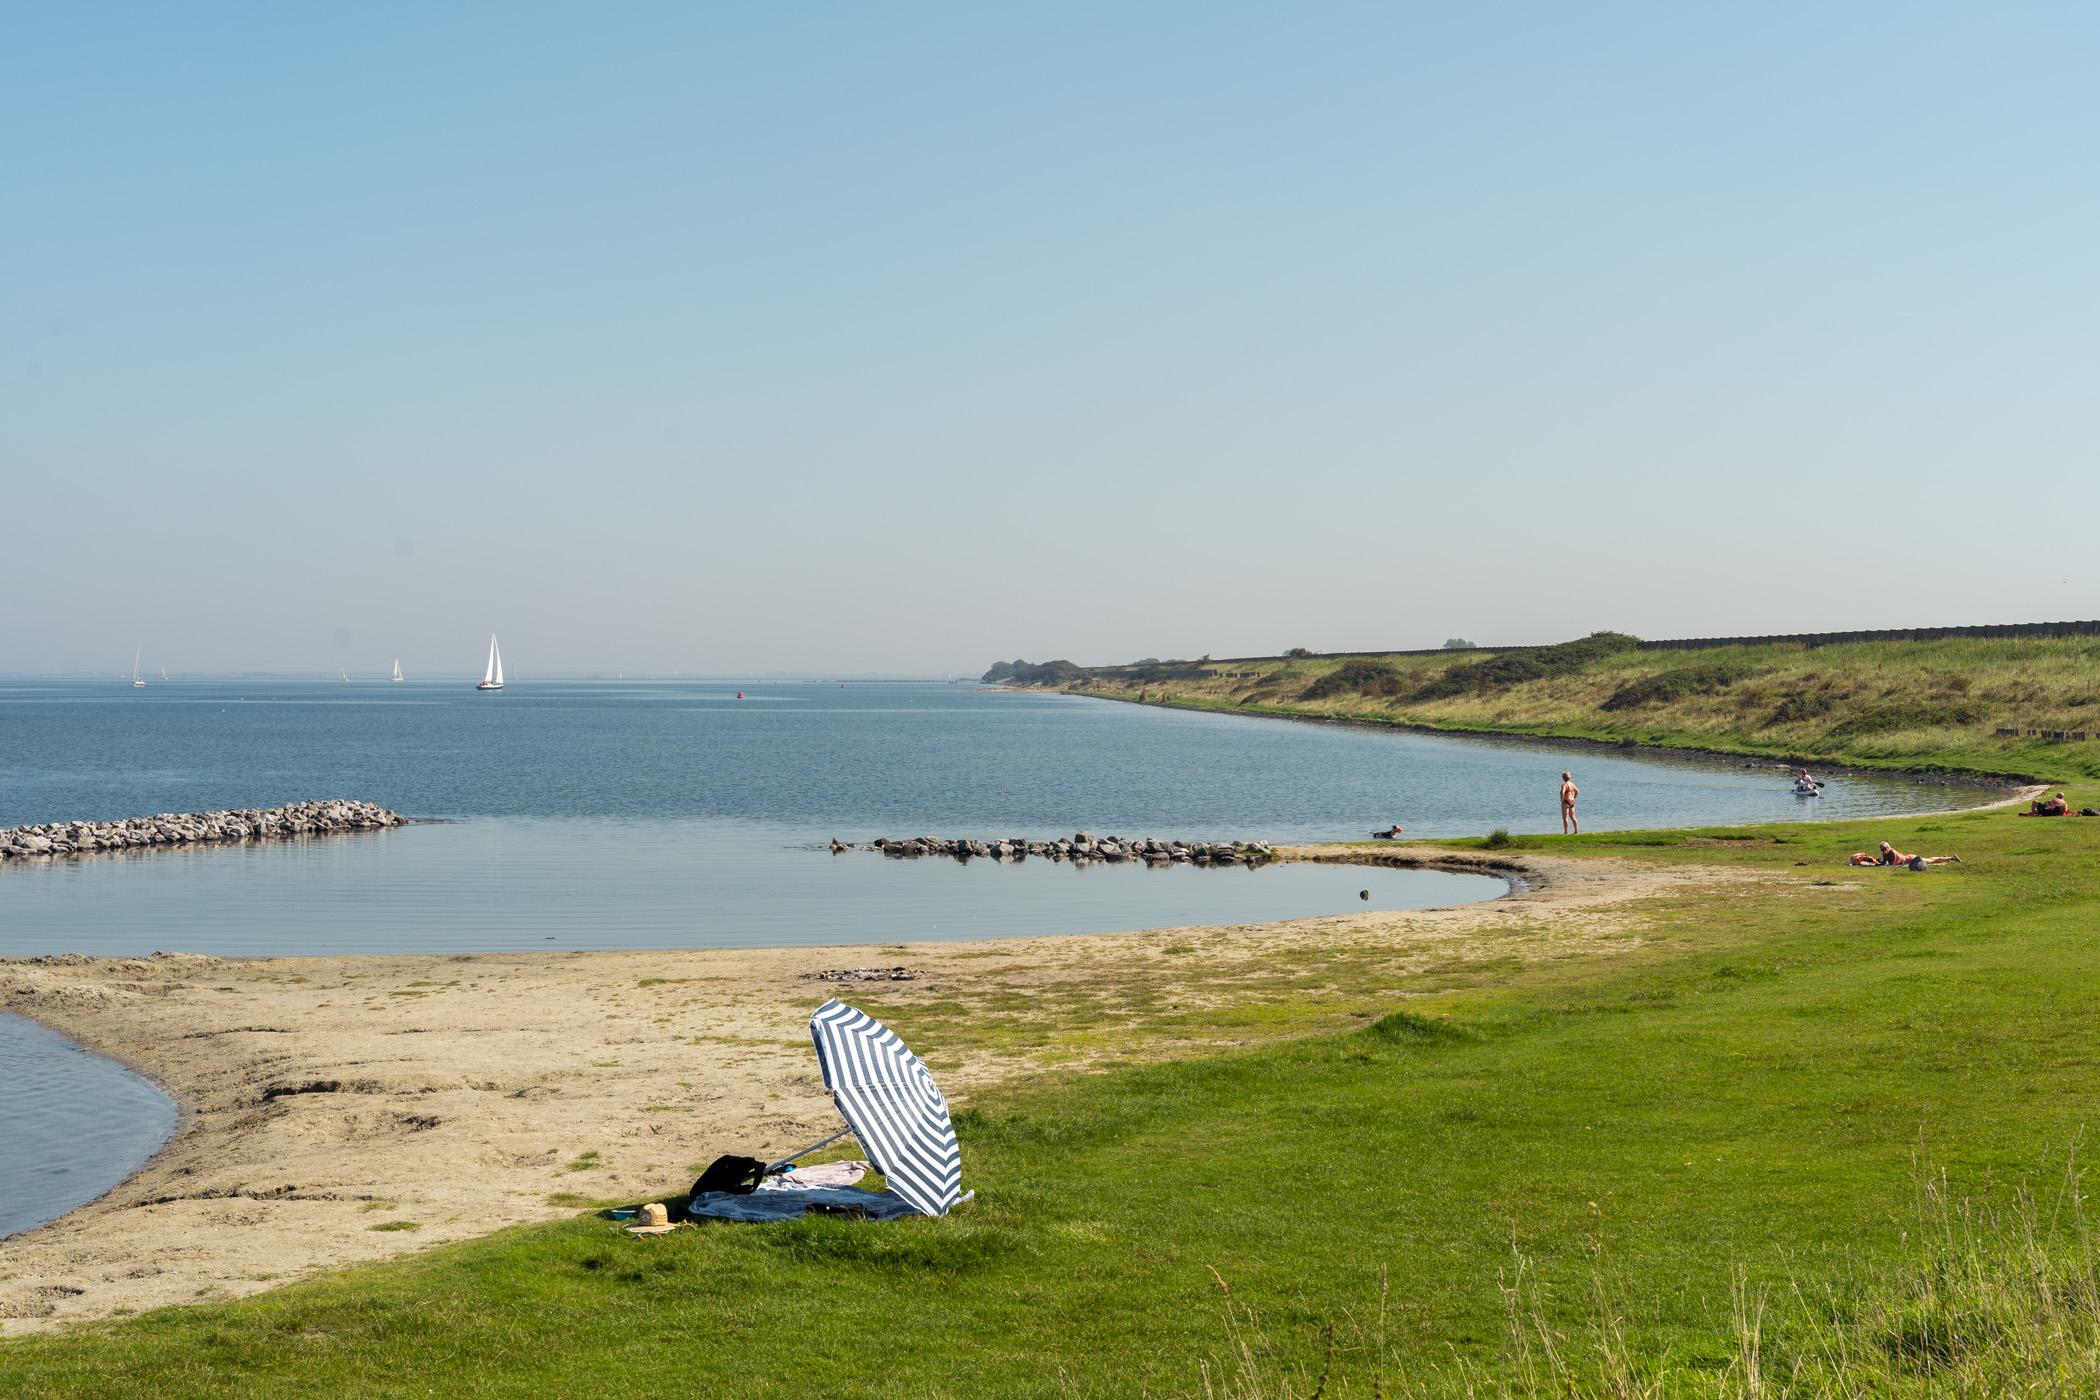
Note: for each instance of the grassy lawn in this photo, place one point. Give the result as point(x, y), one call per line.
point(1613, 1142)
point(1885, 704)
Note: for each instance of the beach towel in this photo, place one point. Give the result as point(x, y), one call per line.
point(823, 1174)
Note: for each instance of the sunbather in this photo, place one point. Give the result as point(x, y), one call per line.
point(2056, 806)
point(1889, 855)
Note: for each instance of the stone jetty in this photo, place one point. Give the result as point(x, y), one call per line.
point(195, 828)
point(1082, 847)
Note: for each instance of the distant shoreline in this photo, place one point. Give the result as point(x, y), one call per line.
point(1949, 776)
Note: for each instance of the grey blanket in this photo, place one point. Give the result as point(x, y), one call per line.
point(794, 1204)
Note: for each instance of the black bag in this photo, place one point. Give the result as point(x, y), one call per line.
point(739, 1176)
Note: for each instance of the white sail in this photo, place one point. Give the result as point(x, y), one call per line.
point(497, 654)
point(397, 669)
point(137, 681)
point(488, 672)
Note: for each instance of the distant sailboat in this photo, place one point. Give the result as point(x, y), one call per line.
point(136, 683)
point(492, 674)
point(346, 678)
point(397, 670)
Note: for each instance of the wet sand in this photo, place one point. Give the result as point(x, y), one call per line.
point(325, 1096)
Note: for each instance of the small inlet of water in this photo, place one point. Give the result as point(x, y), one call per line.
point(73, 1124)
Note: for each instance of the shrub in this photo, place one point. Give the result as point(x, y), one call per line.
point(1512, 668)
point(1800, 706)
point(1665, 686)
point(1371, 678)
point(1883, 719)
point(1021, 673)
point(1498, 838)
point(1298, 652)
point(1458, 644)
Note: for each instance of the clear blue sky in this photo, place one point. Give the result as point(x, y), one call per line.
point(864, 337)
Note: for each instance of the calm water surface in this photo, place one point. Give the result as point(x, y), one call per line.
point(72, 1124)
point(595, 815)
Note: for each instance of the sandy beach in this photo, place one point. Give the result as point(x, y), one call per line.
point(327, 1096)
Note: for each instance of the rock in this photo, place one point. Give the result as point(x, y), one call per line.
point(176, 829)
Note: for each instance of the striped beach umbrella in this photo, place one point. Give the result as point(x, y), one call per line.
point(889, 1100)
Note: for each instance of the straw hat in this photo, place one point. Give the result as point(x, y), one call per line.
point(655, 1220)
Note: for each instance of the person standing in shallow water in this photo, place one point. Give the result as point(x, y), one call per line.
point(1568, 793)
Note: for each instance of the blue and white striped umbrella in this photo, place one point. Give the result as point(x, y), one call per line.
point(889, 1100)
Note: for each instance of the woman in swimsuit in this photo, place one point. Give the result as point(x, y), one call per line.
point(1889, 855)
point(1568, 793)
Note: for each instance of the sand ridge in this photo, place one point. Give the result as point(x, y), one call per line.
point(326, 1096)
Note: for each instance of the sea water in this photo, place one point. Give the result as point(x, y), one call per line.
point(585, 814)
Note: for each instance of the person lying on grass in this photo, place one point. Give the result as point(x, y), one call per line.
point(1889, 855)
point(2057, 806)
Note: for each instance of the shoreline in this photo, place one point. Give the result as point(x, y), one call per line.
point(1953, 777)
point(444, 1096)
point(232, 1097)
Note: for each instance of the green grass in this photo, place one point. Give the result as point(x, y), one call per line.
point(1901, 705)
point(1628, 1148)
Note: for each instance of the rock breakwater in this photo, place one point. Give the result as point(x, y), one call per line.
point(195, 828)
point(1084, 846)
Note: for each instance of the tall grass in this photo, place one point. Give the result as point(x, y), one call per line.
point(1975, 1300)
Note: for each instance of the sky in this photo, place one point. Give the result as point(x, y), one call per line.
point(735, 338)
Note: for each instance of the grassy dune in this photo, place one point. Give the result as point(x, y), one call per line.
point(1815, 1144)
point(1870, 704)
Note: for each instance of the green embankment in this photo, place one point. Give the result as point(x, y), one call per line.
point(1883, 704)
point(1645, 1152)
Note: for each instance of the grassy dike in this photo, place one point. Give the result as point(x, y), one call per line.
point(1884, 704)
point(1710, 1171)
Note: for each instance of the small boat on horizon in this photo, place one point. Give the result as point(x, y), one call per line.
point(397, 668)
point(492, 674)
point(136, 682)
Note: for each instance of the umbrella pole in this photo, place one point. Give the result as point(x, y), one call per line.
point(784, 1161)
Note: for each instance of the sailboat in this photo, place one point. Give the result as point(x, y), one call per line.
point(136, 683)
point(397, 669)
point(492, 674)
